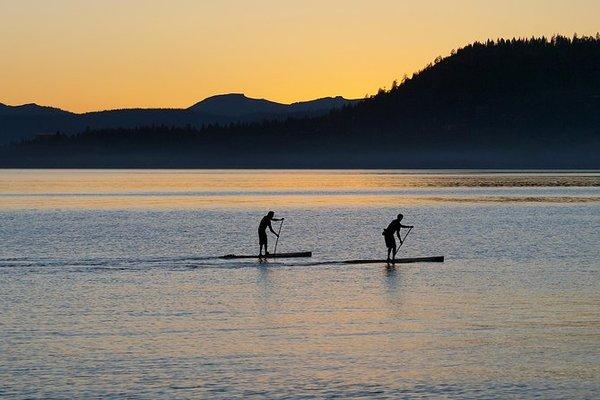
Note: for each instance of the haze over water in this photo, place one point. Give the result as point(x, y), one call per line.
point(111, 288)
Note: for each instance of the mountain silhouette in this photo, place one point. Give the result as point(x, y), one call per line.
point(25, 121)
point(30, 109)
point(519, 103)
point(238, 105)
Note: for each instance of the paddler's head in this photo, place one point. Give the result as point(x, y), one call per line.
point(271, 214)
point(400, 216)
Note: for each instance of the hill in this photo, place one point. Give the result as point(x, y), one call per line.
point(23, 122)
point(520, 103)
point(237, 104)
point(247, 108)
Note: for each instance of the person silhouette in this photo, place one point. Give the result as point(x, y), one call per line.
point(265, 223)
point(388, 234)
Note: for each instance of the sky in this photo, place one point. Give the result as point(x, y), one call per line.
point(84, 55)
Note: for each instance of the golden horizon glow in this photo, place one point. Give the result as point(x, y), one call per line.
point(268, 189)
point(94, 55)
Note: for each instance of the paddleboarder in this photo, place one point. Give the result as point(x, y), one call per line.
point(265, 223)
point(388, 234)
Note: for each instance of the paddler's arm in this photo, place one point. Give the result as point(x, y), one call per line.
point(271, 228)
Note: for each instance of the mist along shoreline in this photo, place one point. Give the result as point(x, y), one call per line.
point(416, 170)
point(280, 158)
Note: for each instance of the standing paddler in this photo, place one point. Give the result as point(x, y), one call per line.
point(265, 223)
point(388, 233)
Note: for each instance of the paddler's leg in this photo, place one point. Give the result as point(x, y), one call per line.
point(262, 241)
point(394, 249)
point(266, 243)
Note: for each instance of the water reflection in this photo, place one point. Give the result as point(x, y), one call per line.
point(178, 181)
point(124, 189)
point(393, 285)
point(264, 286)
point(391, 278)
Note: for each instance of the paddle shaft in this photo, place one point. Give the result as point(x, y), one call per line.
point(402, 242)
point(278, 233)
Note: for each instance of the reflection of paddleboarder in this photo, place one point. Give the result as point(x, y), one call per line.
point(262, 230)
point(388, 234)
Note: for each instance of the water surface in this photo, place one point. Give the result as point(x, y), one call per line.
point(110, 287)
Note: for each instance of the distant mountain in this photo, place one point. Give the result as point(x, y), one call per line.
point(30, 109)
point(238, 105)
point(19, 122)
point(324, 103)
point(25, 121)
point(520, 103)
point(22, 122)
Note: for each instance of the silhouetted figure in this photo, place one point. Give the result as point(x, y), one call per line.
point(265, 223)
point(388, 233)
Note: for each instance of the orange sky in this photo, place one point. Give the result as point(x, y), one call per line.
point(101, 54)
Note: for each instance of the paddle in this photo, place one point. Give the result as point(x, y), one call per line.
point(278, 233)
point(403, 240)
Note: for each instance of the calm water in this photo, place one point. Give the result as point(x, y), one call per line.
point(109, 286)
